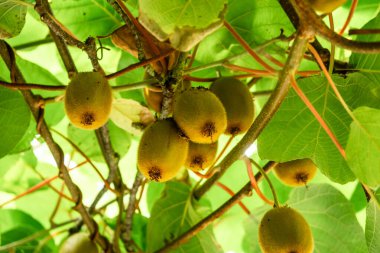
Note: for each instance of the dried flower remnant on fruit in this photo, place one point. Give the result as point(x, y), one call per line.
point(201, 156)
point(154, 174)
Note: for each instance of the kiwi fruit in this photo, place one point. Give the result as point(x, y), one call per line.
point(297, 172)
point(162, 151)
point(238, 102)
point(326, 6)
point(200, 115)
point(88, 100)
point(284, 230)
point(78, 243)
point(201, 156)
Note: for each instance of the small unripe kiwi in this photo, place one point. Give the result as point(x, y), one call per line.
point(297, 172)
point(78, 243)
point(326, 6)
point(162, 151)
point(238, 102)
point(201, 156)
point(284, 230)
point(200, 115)
point(88, 100)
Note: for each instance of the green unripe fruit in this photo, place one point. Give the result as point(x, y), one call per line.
point(326, 6)
point(162, 151)
point(238, 102)
point(201, 156)
point(284, 230)
point(200, 115)
point(78, 243)
point(88, 100)
point(296, 172)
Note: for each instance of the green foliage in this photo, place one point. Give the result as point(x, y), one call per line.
point(372, 231)
point(12, 18)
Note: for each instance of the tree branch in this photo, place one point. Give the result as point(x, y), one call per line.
point(270, 108)
point(316, 23)
point(245, 191)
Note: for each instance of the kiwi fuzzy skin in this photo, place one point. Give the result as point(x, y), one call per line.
point(238, 102)
point(88, 100)
point(78, 243)
point(200, 115)
point(162, 151)
point(297, 172)
point(326, 6)
point(284, 230)
point(201, 156)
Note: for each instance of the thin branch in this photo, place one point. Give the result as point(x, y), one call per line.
point(32, 86)
point(245, 191)
point(363, 31)
point(126, 227)
point(308, 15)
point(354, 4)
point(270, 108)
point(33, 43)
point(9, 58)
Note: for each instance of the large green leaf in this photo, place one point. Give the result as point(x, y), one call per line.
point(372, 227)
point(363, 147)
point(184, 23)
point(86, 18)
point(331, 217)
point(14, 119)
point(16, 225)
point(12, 18)
point(295, 133)
point(173, 214)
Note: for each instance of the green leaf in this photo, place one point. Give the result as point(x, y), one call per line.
point(294, 132)
point(331, 218)
point(14, 119)
point(184, 23)
point(12, 18)
point(34, 73)
point(87, 17)
point(363, 147)
point(16, 225)
point(367, 61)
point(372, 227)
point(25, 143)
point(88, 143)
point(173, 214)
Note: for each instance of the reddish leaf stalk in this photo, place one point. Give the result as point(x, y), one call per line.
point(231, 193)
point(350, 15)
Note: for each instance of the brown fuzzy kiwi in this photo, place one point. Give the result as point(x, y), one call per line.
point(284, 230)
point(162, 151)
point(201, 156)
point(200, 115)
point(88, 100)
point(78, 243)
point(238, 102)
point(326, 6)
point(296, 172)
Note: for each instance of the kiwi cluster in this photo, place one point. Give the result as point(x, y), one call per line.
point(284, 230)
point(88, 100)
point(190, 137)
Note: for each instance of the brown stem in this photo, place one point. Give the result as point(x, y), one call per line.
point(32, 86)
point(270, 108)
point(245, 191)
point(9, 58)
point(363, 31)
point(316, 23)
point(126, 235)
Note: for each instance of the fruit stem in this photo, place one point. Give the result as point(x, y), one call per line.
point(254, 183)
point(275, 198)
point(212, 166)
point(350, 15)
point(332, 51)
